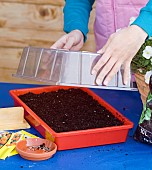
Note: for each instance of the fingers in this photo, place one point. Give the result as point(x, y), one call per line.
point(116, 52)
point(126, 73)
point(78, 46)
point(72, 40)
point(69, 43)
point(65, 42)
point(105, 57)
point(60, 43)
point(113, 71)
point(108, 71)
point(102, 61)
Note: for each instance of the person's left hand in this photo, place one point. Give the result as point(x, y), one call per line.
point(119, 50)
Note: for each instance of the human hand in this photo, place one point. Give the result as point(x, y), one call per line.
point(72, 41)
point(119, 50)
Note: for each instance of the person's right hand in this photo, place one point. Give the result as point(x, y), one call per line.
point(72, 41)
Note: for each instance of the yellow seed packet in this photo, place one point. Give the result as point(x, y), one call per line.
point(10, 144)
point(27, 134)
point(4, 137)
point(24, 136)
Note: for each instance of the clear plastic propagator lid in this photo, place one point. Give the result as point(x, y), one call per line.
point(60, 67)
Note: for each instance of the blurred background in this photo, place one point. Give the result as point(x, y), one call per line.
point(36, 23)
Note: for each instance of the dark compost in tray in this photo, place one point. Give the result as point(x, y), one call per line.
point(69, 110)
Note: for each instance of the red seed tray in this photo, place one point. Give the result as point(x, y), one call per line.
point(74, 139)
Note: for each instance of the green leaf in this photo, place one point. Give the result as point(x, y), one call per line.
point(139, 62)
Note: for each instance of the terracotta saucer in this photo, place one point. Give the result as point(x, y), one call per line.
point(36, 149)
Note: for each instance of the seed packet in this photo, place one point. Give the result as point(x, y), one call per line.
point(27, 134)
point(143, 132)
point(24, 136)
point(8, 143)
point(4, 137)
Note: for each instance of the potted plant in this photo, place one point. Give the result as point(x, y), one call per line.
point(142, 68)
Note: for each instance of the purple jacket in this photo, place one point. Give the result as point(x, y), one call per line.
point(112, 15)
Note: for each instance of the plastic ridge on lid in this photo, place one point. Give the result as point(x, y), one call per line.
point(61, 67)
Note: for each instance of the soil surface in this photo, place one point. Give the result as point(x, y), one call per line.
point(69, 110)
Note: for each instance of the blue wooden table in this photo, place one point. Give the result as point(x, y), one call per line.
point(124, 156)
